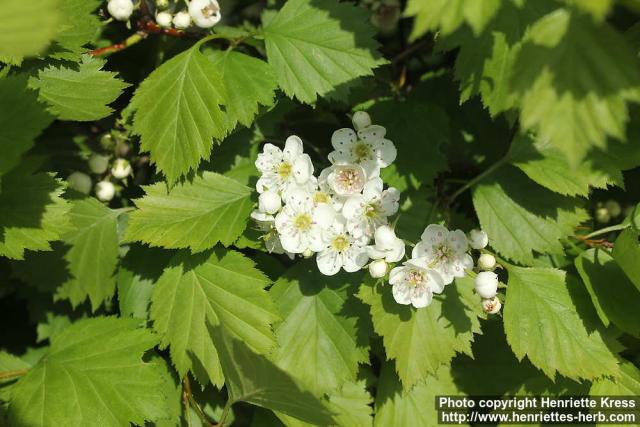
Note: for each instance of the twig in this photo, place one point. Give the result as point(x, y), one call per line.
point(411, 50)
point(188, 397)
point(13, 374)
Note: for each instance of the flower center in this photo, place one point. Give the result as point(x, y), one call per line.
point(414, 277)
point(210, 10)
point(321, 197)
point(349, 180)
point(340, 243)
point(371, 211)
point(442, 254)
point(362, 151)
point(284, 170)
point(302, 222)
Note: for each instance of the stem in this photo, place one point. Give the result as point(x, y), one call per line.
point(189, 400)
point(479, 178)
point(130, 41)
point(616, 227)
point(225, 412)
point(12, 374)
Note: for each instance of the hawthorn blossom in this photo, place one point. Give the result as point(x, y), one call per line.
point(341, 250)
point(387, 245)
point(368, 211)
point(415, 285)
point(284, 170)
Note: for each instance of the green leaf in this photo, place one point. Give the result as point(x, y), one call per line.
point(318, 341)
point(80, 94)
point(80, 27)
point(9, 363)
point(448, 15)
point(316, 45)
point(252, 378)
point(250, 82)
point(195, 215)
point(396, 406)
point(541, 322)
point(27, 27)
point(93, 255)
point(569, 71)
point(93, 371)
point(626, 383)
point(626, 252)
point(420, 340)
point(546, 165)
point(597, 8)
point(521, 217)
point(177, 112)
point(22, 119)
point(613, 295)
point(32, 213)
point(217, 288)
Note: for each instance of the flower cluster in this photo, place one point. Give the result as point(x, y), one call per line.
point(336, 214)
point(201, 13)
point(342, 216)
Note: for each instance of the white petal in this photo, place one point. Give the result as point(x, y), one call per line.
point(324, 215)
point(373, 132)
point(402, 293)
point(328, 262)
point(422, 250)
point(371, 168)
point(385, 237)
point(292, 147)
point(353, 207)
point(420, 296)
point(388, 153)
point(458, 241)
point(375, 253)
point(293, 243)
point(299, 199)
point(390, 201)
point(302, 169)
point(343, 138)
point(396, 275)
point(435, 281)
point(396, 253)
point(373, 189)
point(355, 258)
point(434, 234)
point(269, 202)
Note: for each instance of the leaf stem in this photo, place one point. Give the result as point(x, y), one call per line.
point(12, 374)
point(491, 169)
point(616, 227)
point(189, 400)
point(225, 412)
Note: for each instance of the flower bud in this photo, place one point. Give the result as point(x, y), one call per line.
point(478, 239)
point(80, 181)
point(613, 207)
point(308, 253)
point(602, 215)
point(120, 9)
point(361, 120)
point(164, 19)
point(105, 191)
point(486, 262)
point(487, 284)
point(182, 20)
point(121, 169)
point(491, 305)
point(98, 163)
point(162, 4)
point(107, 142)
point(269, 202)
point(378, 268)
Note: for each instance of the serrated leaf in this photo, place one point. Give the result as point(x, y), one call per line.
point(625, 383)
point(93, 255)
point(318, 341)
point(541, 322)
point(597, 8)
point(316, 45)
point(448, 15)
point(253, 378)
point(569, 71)
point(521, 217)
point(92, 371)
point(250, 82)
point(81, 93)
point(9, 363)
point(80, 27)
point(32, 213)
point(22, 119)
point(626, 252)
point(216, 288)
point(396, 406)
point(613, 295)
point(177, 112)
point(196, 215)
point(27, 27)
point(420, 340)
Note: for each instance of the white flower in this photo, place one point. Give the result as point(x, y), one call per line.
point(387, 245)
point(478, 239)
point(366, 148)
point(486, 262)
point(415, 285)
point(491, 305)
point(98, 163)
point(182, 20)
point(345, 180)
point(80, 181)
point(284, 170)
point(297, 225)
point(269, 202)
point(361, 120)
point(340, 250)
point(105, 191)
point(163, 19)
point(205, 13)
point(366, 212)
point(378, 268)
point(162, 4)
point(486, 284)
point(120, 9)
point(443, 250)
point(121, 169)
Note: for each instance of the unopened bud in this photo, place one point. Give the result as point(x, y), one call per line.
point(105, 191)
point(378, 268)
point(361, 120)
point(486, 262)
